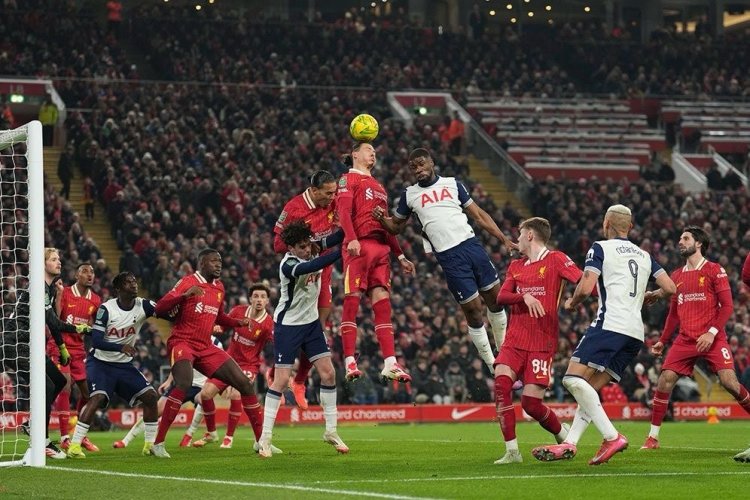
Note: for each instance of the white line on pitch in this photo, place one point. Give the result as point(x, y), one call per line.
point(309, 489)
point(537, 476)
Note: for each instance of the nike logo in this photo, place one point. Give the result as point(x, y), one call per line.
point(457, 414)
point(677, 285)
point(71, 305)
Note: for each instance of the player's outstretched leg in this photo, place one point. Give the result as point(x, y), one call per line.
point(506, 417)
point(349, 335)
point(743, 456)
point(133, 433)
point(381, 308)
point(543, 414)
point(298, 382)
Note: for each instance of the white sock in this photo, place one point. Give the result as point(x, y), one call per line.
point(482, 343)
point(197, 417)
point(588, 400)
point(349, 360)
point(151, 428)
point(47, 441)
point(134, 432)
point(80, 433)
point(562, 435)
point(269, 413)
point(578, 427)
point(499, 323)
point(511, 445)
point(330, 413)
point(654, 432)
point(389, 362)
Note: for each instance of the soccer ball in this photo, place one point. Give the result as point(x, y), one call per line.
point(364, 128)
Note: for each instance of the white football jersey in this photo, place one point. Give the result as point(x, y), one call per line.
point(624, 270)
point(440, 209)
point(298, 301)
point(120, 326)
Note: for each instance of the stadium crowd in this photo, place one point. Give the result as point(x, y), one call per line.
point(185, 166)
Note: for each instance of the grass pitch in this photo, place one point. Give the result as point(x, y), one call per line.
point(402, 462)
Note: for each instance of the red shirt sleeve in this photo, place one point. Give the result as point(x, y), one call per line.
point(726, 308)
point(746, 271)
point(507, 293)
point(278, 245)
point(393, 243)
point(173, 298)
point(568, 268)
point(673, 320)
point(225, 320)
point(344, 212)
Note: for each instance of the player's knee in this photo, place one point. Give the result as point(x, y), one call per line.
point(327, 374)
point(148, 398)
point(730, 383)
point(532, 406)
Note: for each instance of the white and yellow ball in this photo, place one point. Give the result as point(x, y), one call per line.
point(364, 128)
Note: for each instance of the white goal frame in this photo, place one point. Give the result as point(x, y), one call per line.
point(31, 133)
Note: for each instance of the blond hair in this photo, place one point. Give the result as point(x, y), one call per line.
point(620, 218)
point(48, 251)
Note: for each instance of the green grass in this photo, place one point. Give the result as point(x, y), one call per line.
point(394, 461)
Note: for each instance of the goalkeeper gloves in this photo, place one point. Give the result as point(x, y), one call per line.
point(83, 328)
point(64, 355)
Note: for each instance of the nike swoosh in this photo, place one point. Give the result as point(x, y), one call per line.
point(678, 284)
point(457, 414)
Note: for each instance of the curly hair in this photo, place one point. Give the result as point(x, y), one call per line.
point(296, 232)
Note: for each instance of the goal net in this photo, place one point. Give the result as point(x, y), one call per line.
point(22, 377)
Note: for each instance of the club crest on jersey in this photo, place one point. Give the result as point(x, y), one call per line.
point(542, 271)
point(330, 216)
point(702, 281)
point(91, 309)
point(444, 194)
point(257, 333)
point(218, 296)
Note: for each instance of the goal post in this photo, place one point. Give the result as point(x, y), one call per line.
point(22, 256)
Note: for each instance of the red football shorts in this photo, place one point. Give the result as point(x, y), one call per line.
point(370, 269)
point(532, 367)
point(683, 354)
point(206, 359)
point(77, 366)
point(326, 294)
point(251, 373)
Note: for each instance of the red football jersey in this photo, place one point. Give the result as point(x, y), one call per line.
point(77, 309)
point(197, 315)
point(322, 221)
point(542, 279)
point(697, 297)
point(248, 341)
point(366, 194)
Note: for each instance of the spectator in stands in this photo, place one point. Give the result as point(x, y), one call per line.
point(65, 171)
point(732, 181)
point(114, 17)
point(477, 23)
point(456, 134)
point(713, 178)
point(666, 172)
point(48, 115)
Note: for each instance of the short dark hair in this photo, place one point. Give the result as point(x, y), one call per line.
point(540, 226)
point(320, 178)
point(701, 236)
point(419, 153)
point(206, 251)
point(79, 266)
point(119, 281)
point(259, 287)
point(296, 232)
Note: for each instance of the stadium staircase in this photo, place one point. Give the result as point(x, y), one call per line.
point(494, 187)
point(710, 388)
point(99, 228)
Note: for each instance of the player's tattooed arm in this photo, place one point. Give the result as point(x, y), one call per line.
point(583, 289)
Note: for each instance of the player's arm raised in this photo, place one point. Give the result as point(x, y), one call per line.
point(487, 223)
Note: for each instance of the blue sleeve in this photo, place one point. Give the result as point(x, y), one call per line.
point(98, 342)
point(332, 239)
point(149, 308)
point(314, 265)
point(402, 210)
point(594, 259)
point(656, 268)
point(100, 322)
point(288, 266)
point(463, 195)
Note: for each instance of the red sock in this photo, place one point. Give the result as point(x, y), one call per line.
point(209, 413)
point(254, 412)
point(304, 369)
point(62, 405)
point(171, 409)
point(744, 399)
point(659, 410)
point(384, 326)
point(349, 324)
point(542, 414)
point(506, 414)
point(235, 412)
